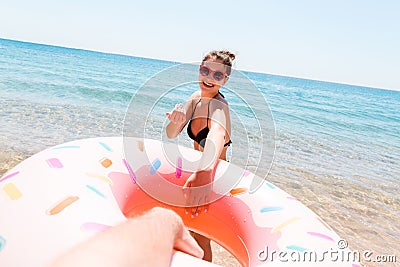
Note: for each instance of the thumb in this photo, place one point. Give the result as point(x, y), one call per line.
point(186, 243)
point(185, 188)
point(189, 181)
point(187, 184)
point(168, 114)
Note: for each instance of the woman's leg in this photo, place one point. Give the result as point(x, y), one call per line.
point(205, 244)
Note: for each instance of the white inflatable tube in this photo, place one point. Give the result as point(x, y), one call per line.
point(67, 193)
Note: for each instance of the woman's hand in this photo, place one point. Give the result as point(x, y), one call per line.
point(177, 118)
point(198, 190)
point(177, 115)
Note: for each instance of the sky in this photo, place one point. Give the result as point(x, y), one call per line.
point(345, 41)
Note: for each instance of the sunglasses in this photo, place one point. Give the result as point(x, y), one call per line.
point(217, 75)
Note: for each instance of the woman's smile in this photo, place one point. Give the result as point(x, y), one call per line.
point(208, 85)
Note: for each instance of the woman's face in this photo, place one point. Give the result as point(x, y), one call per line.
point(212, 75)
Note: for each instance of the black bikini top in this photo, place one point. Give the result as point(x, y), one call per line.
point(201, 136)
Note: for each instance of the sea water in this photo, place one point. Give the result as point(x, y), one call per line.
point(337, 147)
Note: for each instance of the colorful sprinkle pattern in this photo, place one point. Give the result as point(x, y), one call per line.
point(129, 168)
point(94, 227)
point(54, 163)
point(93, 189)
point(11, 175)
point(105, 162)
point(155, 165)
point(266, 216)
point(12, 191)
point(2, 243)
point(106, 147)
point(60, 206)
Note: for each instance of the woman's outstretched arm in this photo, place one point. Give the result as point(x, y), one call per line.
point(198, 186)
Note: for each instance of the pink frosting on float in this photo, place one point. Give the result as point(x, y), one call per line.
point(321, 236)
point(54, 163)
point(94, 227)
point(233, 225)
point(129, 168)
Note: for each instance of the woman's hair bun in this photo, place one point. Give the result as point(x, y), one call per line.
point(231, 55)
point(224, 55)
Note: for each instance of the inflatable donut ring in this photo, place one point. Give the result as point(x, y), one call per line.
point(65, 194)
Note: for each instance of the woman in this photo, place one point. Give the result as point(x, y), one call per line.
point(209, 125)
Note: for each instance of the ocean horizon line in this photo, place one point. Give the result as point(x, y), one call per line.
point(177, 62)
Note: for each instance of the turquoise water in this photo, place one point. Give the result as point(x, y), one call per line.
point(337, 146)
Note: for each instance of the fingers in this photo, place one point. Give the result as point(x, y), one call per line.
point(183, 241)
point(197, 208)
point(206, 204)
point(186, 195)
point(180, 108)
point(177, 115)
point(200, 206)
point(196, 197)
point(195, 204)
point(185, 189)
point(190, 199)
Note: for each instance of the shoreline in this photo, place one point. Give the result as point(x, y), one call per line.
point(9, 159)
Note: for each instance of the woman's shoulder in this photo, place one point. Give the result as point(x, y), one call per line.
point(219, 102)
point(221, 99)
point(195, 95)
